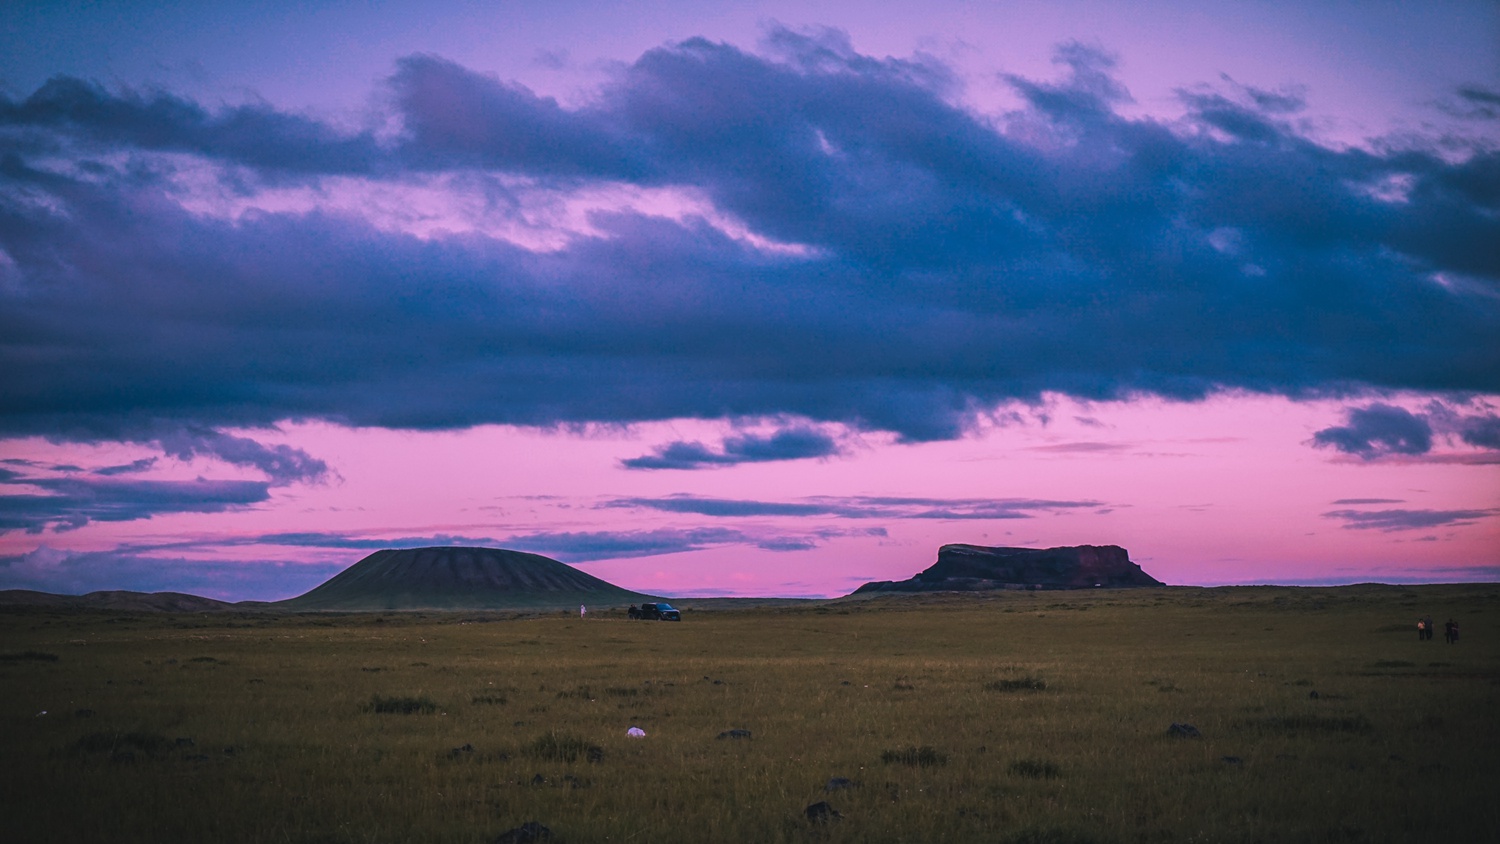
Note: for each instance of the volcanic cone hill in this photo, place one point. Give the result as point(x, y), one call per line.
point(977, 568)
point(451, 578)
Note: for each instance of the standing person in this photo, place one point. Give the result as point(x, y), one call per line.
point(1452, 631)
point(583, 611)
point(1430, 626)
point(1421, 629)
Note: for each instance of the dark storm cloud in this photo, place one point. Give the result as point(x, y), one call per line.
point(68, 503)
point(1396, 520)
point(859, 507)
point(944, 261)
point(794, 443)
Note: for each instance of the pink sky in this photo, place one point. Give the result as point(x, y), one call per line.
point(1217, 492)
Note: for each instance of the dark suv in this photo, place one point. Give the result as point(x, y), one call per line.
point(657, 612)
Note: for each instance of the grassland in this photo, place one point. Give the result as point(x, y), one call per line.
point(1016, 717)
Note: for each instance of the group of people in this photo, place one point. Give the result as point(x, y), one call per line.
point(1425, 625)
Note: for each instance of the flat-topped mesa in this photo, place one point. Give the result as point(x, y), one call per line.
point(977, 568)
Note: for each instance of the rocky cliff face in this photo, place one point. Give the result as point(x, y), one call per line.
point(974, 568)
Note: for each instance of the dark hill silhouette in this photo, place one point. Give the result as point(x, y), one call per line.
point(977, 568)
point(459, 578)
point(118, 600)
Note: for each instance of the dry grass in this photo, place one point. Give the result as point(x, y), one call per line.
point(1048, 711)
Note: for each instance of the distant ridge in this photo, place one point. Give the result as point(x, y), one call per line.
point(118, 600)
point(979, 568)
point(457, 577)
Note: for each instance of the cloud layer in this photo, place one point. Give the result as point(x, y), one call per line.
point(804, 232)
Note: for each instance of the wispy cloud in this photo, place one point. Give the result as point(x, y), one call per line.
point(567, 546)
point(283, 464)
point(790, 443)
point(1397, 520)
point(69, 503)
point(1081, 448)
point(585, 546)
point(313, 539)
point(859, 507)
point(65, 497)
point(131, 468)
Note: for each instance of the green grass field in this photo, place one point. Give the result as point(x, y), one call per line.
point(1014, 717)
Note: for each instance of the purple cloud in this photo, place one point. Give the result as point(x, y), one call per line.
point(69, 503)
point(1397, 520)
point(283, 464)
point(794, 443)
point(859, 507)
point(936, 261)
point(587, 546)
point(1378, 430)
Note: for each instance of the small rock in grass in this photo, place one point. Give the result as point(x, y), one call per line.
point(636, 732)
point(526, 833)
point(838, 783)
point(821, 812)
point(734, 734)
point(1312, 695)
point(1183, 731)
point(1232, 760)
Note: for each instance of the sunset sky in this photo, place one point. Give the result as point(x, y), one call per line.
point(752, 298)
